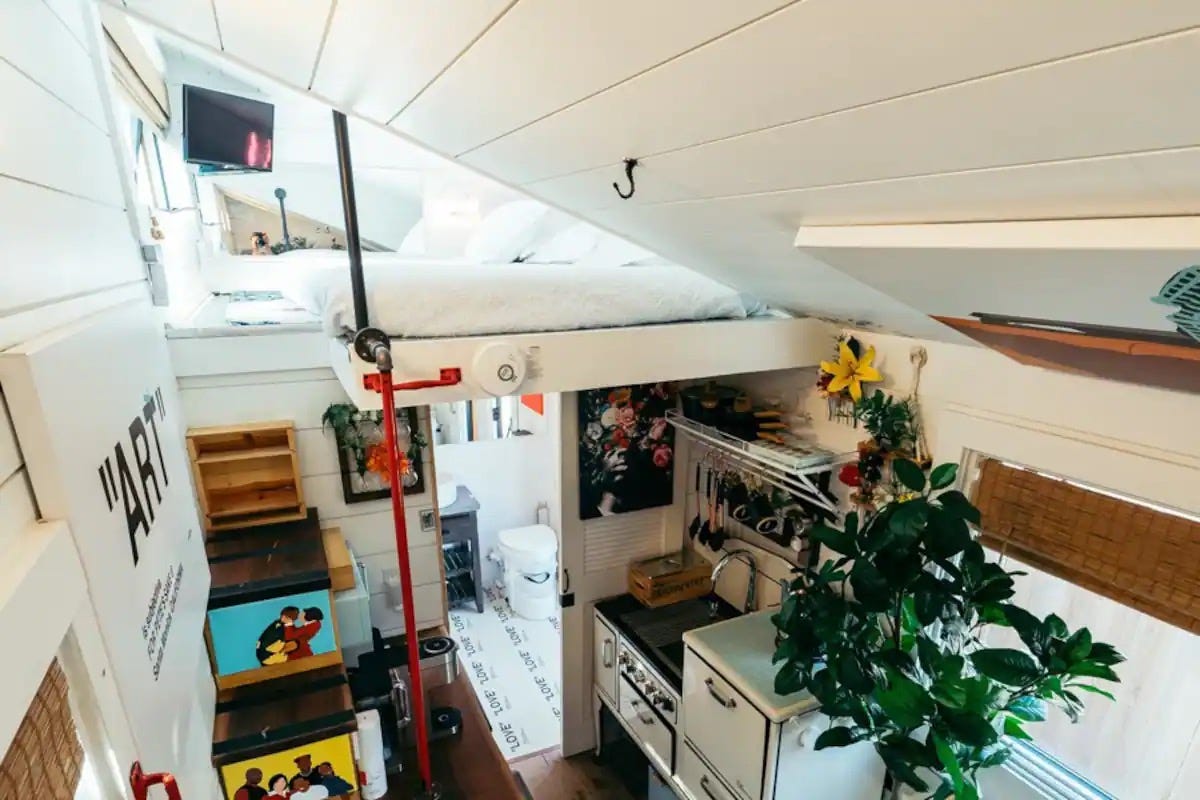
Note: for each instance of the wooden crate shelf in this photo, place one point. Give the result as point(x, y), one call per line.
point(247, 475)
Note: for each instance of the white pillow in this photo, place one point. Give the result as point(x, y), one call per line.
point(414, 240)
point(505, 234)
point(567, 246)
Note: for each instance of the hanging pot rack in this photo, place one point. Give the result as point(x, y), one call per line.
point(790, 468)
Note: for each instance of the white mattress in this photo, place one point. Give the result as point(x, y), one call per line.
point(419, 299)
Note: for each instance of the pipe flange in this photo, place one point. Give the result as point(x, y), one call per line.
point(367, 340)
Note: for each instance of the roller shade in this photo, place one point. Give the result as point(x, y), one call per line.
point(45, 759)
point(1141, 557)
point(134, 72)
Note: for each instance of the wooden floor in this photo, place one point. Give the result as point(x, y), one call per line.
point(551, 777)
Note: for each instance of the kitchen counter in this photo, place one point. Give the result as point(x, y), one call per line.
point(741, 650)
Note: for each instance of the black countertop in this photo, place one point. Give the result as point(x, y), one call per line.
point(657, 633)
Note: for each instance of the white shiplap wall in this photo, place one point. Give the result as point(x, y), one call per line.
point(68, 251)
point(220, 385)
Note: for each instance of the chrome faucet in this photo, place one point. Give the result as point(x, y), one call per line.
point(747, 558)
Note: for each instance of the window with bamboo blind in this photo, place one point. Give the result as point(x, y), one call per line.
point(1140, 556)
point(45, 759)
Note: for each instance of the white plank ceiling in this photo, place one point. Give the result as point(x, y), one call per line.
point(753, 117)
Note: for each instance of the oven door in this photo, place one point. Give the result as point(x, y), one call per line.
point(653, 733)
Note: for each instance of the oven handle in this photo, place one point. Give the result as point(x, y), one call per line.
point(608, 653)
point(642, 719)
point(728, 702)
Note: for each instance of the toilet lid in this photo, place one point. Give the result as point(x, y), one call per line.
point(533, 539)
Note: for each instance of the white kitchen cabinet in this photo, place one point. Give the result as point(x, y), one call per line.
point(604, 653)
point(741, 741)
point(723, 725)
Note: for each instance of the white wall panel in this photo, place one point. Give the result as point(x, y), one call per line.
point(430, 610)
point(373, 533)
point(280, 37)
point(239, 356)
point(192, 18)
point(303, 403)
point(49, 143)
point(17, 510)
point(381, 53)
point(10, 453)
point(37, 42)
point(545, 54)
point(71, 13)
point(1138, 97)
point(42, 264)
point(426, 563)
point(813, 58)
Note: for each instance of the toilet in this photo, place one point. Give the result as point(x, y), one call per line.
point(530, 556)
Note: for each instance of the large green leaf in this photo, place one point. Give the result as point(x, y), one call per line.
point(1013, 728)
point(851, 673)
point(1077, 646)
point(788, 680)
point(909, 474)
point(1094, 690)
point(1103, 653)
point(950, 763)
point(835, 540)
point(1090, 669)
point(969, 728)
point(900, 767)
point(871, 589)
point(1008, 666)
point(1027, 708)
point(1028, 627)
point(943, 475)
point(957, 504)
point(903, 700)
point(946, 535)
point(836, 737)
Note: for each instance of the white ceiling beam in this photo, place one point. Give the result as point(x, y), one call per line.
point(1121, 233)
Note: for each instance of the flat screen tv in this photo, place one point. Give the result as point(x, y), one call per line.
point(226, 131)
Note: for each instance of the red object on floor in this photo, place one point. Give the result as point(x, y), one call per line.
point(535, 403)
point(388, 390)
point(140, 782)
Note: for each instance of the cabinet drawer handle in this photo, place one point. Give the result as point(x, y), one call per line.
point(608, 653)
point(704, 786)
point(728, 702)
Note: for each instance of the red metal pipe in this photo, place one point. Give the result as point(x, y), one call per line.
point(406, 583)
point(141, 782)
point(447, 376)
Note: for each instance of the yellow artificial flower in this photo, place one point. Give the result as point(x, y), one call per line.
point(850, 372)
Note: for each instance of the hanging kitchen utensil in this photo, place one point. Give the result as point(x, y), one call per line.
point(716, 539)
point(921, 454)
point(694, 528)
point(706, 528)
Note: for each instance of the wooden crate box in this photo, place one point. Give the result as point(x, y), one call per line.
point(246, 474)
point(270, 606)
point(285, 735)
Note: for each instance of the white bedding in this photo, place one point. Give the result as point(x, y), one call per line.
point(419, 299)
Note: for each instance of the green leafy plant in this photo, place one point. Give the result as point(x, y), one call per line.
point(900, 660)
point(350, 428)
point(888, 420)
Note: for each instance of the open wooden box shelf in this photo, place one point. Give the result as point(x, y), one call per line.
point(246, 474)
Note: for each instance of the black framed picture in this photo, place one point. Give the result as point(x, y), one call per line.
point(626, 449)
point(362, 451)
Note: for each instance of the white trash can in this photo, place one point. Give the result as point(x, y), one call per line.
point(531, 570)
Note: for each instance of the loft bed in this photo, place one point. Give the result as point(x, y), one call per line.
point(459, 330)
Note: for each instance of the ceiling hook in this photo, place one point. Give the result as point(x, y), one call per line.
point(630, 163)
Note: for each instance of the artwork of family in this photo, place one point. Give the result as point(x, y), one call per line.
point(316, 771)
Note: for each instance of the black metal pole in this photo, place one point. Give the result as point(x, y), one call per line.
point(353, 245)
point(287, 240)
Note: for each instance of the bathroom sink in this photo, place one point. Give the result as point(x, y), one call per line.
point(447, 489)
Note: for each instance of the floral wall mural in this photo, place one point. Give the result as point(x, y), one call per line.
point(626, 449)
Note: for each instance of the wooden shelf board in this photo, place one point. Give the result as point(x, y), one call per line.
point(245, 455)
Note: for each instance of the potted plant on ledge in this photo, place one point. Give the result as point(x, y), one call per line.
point(901, 659)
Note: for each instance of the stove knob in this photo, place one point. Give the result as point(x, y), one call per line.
point(664, 702)
point(623, 659)
point(639, 677)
